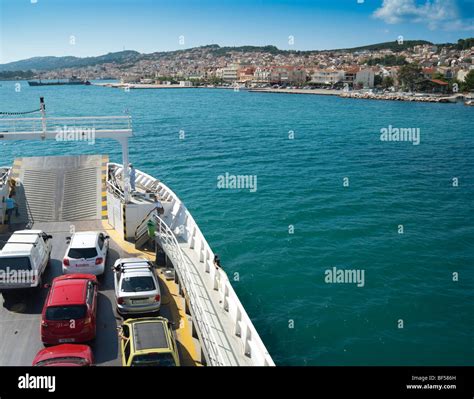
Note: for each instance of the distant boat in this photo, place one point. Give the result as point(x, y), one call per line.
point(70, 81)
point(451, 99)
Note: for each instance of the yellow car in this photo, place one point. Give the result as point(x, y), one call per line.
point(148, 341)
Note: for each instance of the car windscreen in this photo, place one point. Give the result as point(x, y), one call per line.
point(71, 312)
point(72, 360)
point(154, 359)
point(82, 253)
point(21, 263)
point(137, 284)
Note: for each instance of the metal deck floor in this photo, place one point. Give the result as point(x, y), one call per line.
point(20, 313)
point(64, 188)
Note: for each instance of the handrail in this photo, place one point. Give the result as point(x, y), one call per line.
point(4, 176)
point(115, 190)
point(167, 238)
point(143, 223)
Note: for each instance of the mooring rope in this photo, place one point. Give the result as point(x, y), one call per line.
point(20, 113)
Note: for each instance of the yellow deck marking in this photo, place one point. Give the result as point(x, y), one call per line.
point(184, 332)
point(105, 160)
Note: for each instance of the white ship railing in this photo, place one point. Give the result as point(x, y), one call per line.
point(114, 188)
point(171, 247)
point(252, 345)
point(103, 124)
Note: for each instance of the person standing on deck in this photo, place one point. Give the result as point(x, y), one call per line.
point(132, 175)
point(159, 206)
point(10, 207)
point(217, 262)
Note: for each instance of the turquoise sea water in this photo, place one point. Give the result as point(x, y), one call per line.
point(408, 276)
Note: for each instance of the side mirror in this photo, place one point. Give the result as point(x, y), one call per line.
point(68, 238)
point(106, 237)
point(49, 236)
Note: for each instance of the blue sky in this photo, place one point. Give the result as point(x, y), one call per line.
point(29, 29)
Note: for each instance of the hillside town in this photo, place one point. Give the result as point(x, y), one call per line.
point(429, 68)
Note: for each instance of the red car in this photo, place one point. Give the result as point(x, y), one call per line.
point(69, 313)
point(65, 355)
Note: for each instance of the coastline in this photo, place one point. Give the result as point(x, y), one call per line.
point(321, 92)
point(141, 86)
point(417, 97)
point(408, 98)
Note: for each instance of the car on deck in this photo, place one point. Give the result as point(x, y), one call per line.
point(137, 289)
point(148, 341)
point(65, 355)
point(70, 310)
point(23, 259)
point(86, 253)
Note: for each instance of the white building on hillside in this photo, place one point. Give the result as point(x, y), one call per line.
point(262, 75)
point(231, 73)
point(327, 76)
point(365, 77)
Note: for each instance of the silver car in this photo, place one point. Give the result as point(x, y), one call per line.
point(137, 289)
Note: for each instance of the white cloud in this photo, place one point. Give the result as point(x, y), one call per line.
point(435, 13)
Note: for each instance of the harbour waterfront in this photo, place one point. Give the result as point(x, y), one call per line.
point(189, 137)
point(357, 94)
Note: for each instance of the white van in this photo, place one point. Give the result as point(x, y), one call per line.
point(23, 259)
